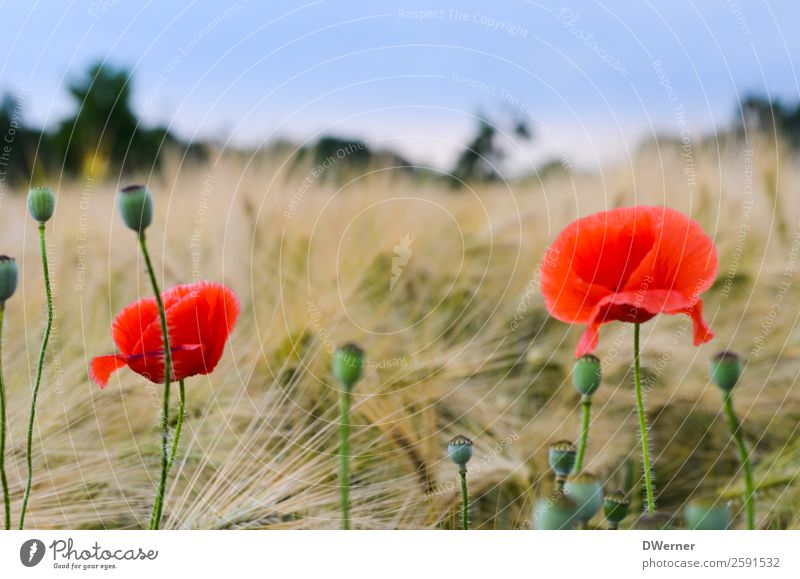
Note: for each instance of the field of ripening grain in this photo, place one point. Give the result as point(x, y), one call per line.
point(440, 289)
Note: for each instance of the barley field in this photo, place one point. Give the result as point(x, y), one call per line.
point(440, 288)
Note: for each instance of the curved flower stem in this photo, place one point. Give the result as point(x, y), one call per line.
point(744, 456)
point(464, 499)
point(39, 367)
point(178, 425)
point(586, 403)
point(344, 456)
point(648, 477)
point(158, 503)
point(6, 501)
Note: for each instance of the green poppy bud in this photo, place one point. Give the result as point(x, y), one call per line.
point(725, 370)
point(586, 492)
point(459, 449)
point(586, 374)
point(554, 514)
point(561, 456)
point(615, 508)
point(701, 516)
point(8, 277)
point(135, 204)
point(41, 203)
point(348, 363)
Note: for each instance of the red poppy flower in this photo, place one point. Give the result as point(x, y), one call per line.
point(200, 318)
point(628, 264)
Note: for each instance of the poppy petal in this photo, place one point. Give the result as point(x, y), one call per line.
point(611, 244)
point(628, 264)
point(199, 318)
point(640, 306)
point(130, 325)
point(683, 257)
point(188, 324)
point(151, 364)
point(180, 329)
point(102, 367)
point(701, 332)
point(568, 298)
point(223, 313)
point(589, 340)
point(592, 258)
point(187, 360)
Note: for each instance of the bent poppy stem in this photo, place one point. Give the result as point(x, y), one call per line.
point(586, 403)
point(344, 456)
point(464, 499)
point(158, 503)
point(6, 500)
point(178, 425)
point(648, 479)
point(39, 367)
point(744, 456)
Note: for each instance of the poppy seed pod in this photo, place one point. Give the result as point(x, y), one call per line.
point(707, 517)
point(135, 204)
point(725, 370)
point(41, 203)
point(554, 514)
point(459, 449)
point(586, 492)
point(586, 374)
point(348, 363)
point(8, 277)
point(561, 456)
point(615, 508)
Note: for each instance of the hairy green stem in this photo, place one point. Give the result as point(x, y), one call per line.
point(744, 456)
point(6, 500)
point(586, 412)
point(178, 425)
point(344, 456)
point(648, 477)
point(39, 368)
point(158, 503)
point(464, 499)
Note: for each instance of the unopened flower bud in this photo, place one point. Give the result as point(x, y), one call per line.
point(725, 370)
point(702, 516)
point(615, 508)
point(554, 514)
point(8, 277)
point(586, 374)
point(41, 203)
point(459, 449)
point(348, 363)
point(561, 456)
point(586, 492)
point(135, 204)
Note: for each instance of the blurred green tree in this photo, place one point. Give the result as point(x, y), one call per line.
point(104, 130)
point(482, 156)
point(772, 117)
point(19, 143)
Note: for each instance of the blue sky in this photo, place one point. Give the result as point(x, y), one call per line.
point(593, 78)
